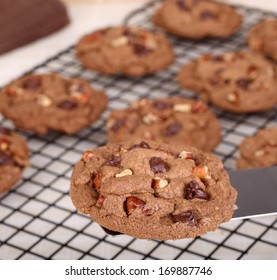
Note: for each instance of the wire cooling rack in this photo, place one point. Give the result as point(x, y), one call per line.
point(37, 218)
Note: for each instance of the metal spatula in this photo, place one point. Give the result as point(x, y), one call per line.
point(257, 192)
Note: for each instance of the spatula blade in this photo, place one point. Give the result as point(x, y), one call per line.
point(257, 192)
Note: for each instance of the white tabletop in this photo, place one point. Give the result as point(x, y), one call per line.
point(85, 16)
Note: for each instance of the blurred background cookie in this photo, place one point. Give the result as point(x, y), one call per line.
point(129, 51)
point(263, 38)
point(14, 158)
point(239, 82)
point(40, 103)
point(259, 150)
point(197, 19)
point(169, 120)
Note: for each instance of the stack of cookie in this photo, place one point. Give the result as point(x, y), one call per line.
point(162, 183)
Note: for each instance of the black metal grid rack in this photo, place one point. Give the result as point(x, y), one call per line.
point(37, 218)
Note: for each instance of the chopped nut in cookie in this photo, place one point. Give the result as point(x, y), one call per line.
point(14, 91)
point(44, 100)
point(4, 144)
point(133, 203)
point(120, 41)
point(202, 172)
point(233, 97)
point(150, 119)
point(159, 183)
point(183, 108)
point(186, 155)
point(259, 153)
point(126, 172)
point(87, 156)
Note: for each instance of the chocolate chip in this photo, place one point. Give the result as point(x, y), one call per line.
point(128, 33)
point(111, 232)
point(32, 83)
point(173, 129)
point(67, 105)
point(213, 82)
point(206, 15)
point(5, 131)
point(243, 83)
point(117, 125)
point(217, 58)
point(193, 190)
point(182, 5)
point(157, 165)
point(141, 50)
point(142, 144)
point(187, 217)
point(161, 105)
point(113, 161)
point(4, 159)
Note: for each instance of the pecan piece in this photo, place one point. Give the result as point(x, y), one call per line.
point(233, 98)
point(159, 183)
point(202, 172)
point(126, 172)
point(87, 156)
point(186, 155)
point(4, 144)
point(132, 203)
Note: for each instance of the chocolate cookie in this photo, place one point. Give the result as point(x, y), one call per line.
point(171, 120)
point(153, 191)
point(197, 19)
point(259, 150)
point(13, 158)
point(238, 82)
point(125, 50)
point(46, 102)
point(263, 38)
